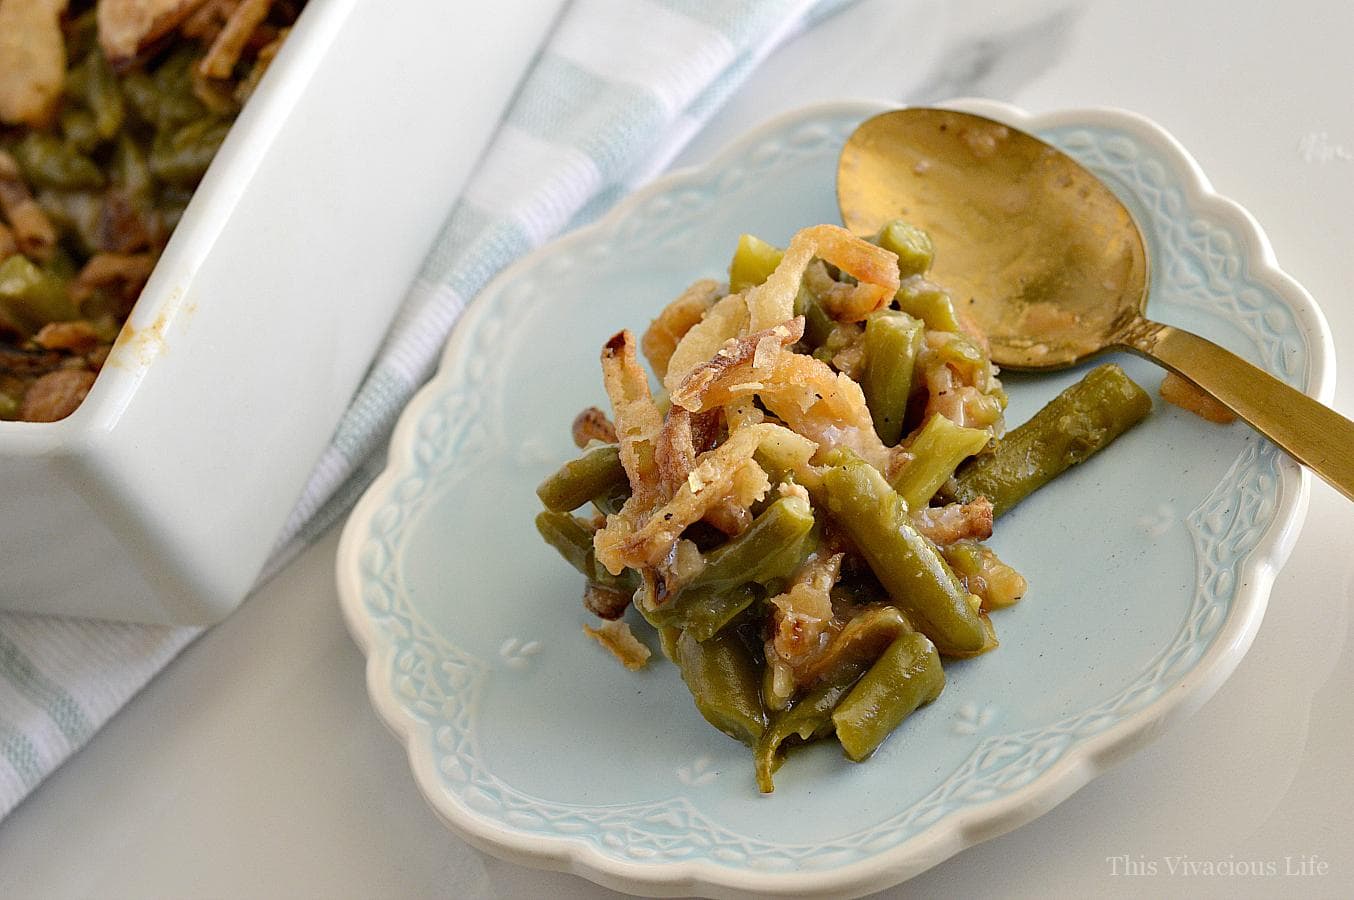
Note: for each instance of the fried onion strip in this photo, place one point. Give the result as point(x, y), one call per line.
point(955, 522)
point(632, 539)
point(757, 352)
point(32, 60)
point(621, 643)
point(593, 425)
point(875, 268)
point(725, 320)
point(803, 392)
point(125, 273)
point(33, 231)
point(664, 333)
point(638, 420)
point(683, 437)
point(126, 27)
point(224, 53)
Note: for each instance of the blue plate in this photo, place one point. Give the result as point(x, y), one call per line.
point(1149, 566)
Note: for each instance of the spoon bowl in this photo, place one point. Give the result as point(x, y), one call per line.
point(1043, 256)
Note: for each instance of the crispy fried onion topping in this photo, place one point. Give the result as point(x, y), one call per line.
point(33, 232)
point(684, 436)
point(875, 268)
point(221, 57)
point(956, 522)
point(825, 406)
point(32, 60)
point(621, 643)
point(593, 425)
point(126, 27)
point(726, 319)
point(122, 274)
point(756, 353)
point(604, 602)
point(8, 245)
point(638, 538)
point(638, 419)
point(55, 395)
point(677, 318)
point(801, 624)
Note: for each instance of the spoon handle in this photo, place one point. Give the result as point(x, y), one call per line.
point(1315, 435)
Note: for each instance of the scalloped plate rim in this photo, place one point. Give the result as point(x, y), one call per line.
point(1084, 762)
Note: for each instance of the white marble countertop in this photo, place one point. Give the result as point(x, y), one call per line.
point(253, 766)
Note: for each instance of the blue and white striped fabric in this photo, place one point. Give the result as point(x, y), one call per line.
point(619, 89)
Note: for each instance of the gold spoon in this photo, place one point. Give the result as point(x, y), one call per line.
point(1052, 266)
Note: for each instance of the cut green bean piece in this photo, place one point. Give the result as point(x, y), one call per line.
point(32, 296)
point(737, 574)
point(892, 342)
point(906, 677)
point(910, 243)
point(937, 450)
point(753, 262)
point(863, 641)
point(102, 96)
point(909, 566)
point(597, 473)
point(572, 539)
point(923, 300)
point(182, 157)
point(80, 130)
point(722, 677)
point(130, 171)
point(817, 323)
point(47, 162)
point(1076, 424)
point(809, 719)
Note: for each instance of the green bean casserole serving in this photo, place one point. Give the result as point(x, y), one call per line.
point(799, 514)
point(110, 113)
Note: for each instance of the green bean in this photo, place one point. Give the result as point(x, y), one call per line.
point(82, 33)
point(139, 90)
point(47, 162)
point(80, 129)
point(923, 300)
point(609, 502)
point(33, 297)
point(811, 717)
point(182, 157)
point(753, 262)
point(9, 407)
point(905, 562)
point(937, 450)
point(892, 342)
point(906, 677)
point(175, 103)
point(572, 538)
point(721, 675)
point(1076, 424)
point(596, 473)
point(910, 243)
point(130, 171)
point(102, 96)
point(817, 323)
point(996, 584)
point(738, 573)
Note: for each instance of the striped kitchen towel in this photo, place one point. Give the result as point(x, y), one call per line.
point(618, 90)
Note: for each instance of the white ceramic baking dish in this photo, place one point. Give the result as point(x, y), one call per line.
point(160, 497)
